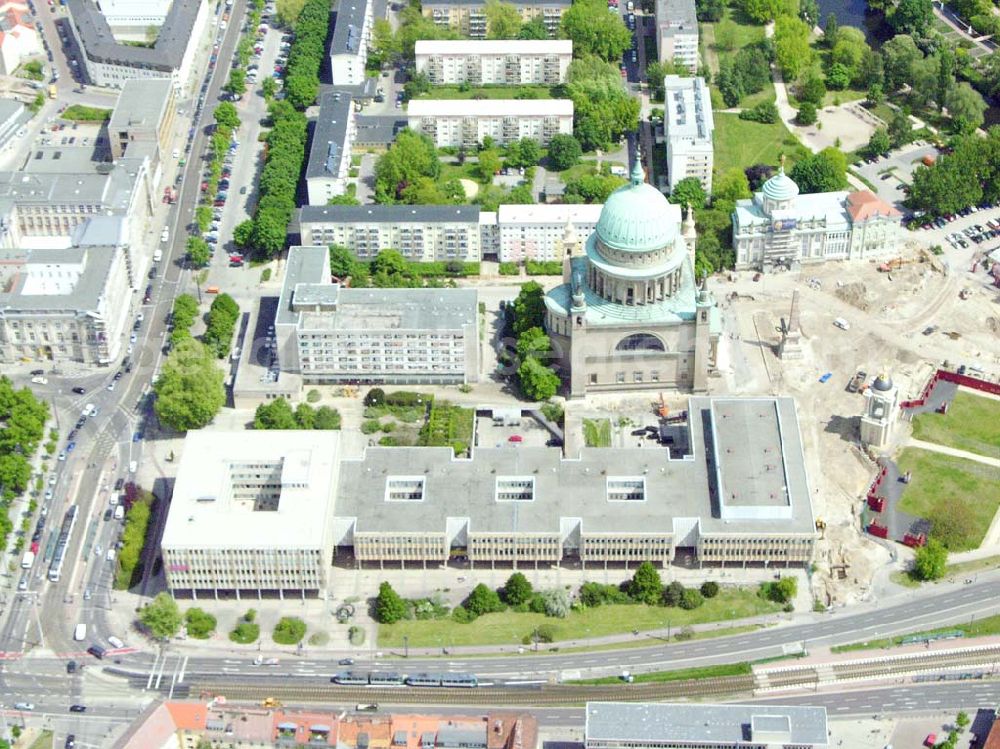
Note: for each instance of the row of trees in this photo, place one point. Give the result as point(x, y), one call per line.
point(133, 540)
point(278, 414)
point(533, 347)
point(391, 270)
point(306, 54)
point(23, 418)
point(969, 175)
point(221, 324)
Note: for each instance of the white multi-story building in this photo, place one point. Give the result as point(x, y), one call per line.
point(251, 512)
point(677, 32)
point(688, 128)
point(468, 17)
point(111, 63)
point(536, 232)
point(329, 333)
point(349, 43)
point(464, 123)
point(778, 227)
point(62, 305)
point(19, 38)
point(134, 14)
point(329, 162)
point(423, 233)
point(505, 62)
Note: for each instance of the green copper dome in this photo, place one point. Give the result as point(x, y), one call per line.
point(780, 187)
point(636, 217)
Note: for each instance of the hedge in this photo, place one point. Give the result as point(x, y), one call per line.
point(129, 569)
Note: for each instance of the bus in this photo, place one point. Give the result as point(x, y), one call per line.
point(65, 532)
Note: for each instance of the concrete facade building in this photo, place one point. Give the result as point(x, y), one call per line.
point(677, 32)
point(135, 15)
point(505, 62)
point(535, 232)
point(144, 114)
point(19, 39)
point(621, 725)
point(111, 63)
point(12, 116)
point(423, 233)
point(629, 315)
point(731, 489)
point(329, 163)
point(349, 43)
point(251, 511)
point(63, 305)
point(464, 123)
point(778, 227)
point(328, 333)
point(468, 17)
point(688, 129)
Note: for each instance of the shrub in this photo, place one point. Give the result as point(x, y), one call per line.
point(313, 396)
point(691, 599)
point(483, 600)
point(765, 112)
point(289, 630)
point(597, 594)
point(509, 269)
point(407, 398)
point(556, 602)
point(710, 589)
point(245, 633)
point(370, 426)
point(543, 267)
point(673, 594)
point(807, 113)
point(356, 635)
point(318, 639)
point(782, 591)
point(375, 397)
point(389, 607)
point(516, 590)
point(388, 441)
point(387, 426)
point(462, 615)
point(200, 624)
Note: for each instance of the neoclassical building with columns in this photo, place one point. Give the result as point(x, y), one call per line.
point(629, 314)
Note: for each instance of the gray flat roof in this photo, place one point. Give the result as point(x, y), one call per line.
point(381, 310)
point(573, 487)
point(520, 3)
point(310, 265)
point(141, 102)
point(748, 433)
point(85, 294)
point(329, 135)
point(166, 55)
point(9, 108)
point(677, 13)
point(380, 129)
point(393, 214)
point(737, 725)
point(346, 39)
point(111, 190)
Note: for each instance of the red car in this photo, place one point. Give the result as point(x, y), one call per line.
point(34, 547)
point(515, 438)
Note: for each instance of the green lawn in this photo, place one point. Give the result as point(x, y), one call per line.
point(952, 572)
point(44, 741)
point(985, 627)
point(450, 170)
point(704, 672)
point(972, 424)
point(81, 113)
point(597, 432)
point(583, 169)
point(510, 628)
point(960, 496)
point(740, 143)
point(488, 92)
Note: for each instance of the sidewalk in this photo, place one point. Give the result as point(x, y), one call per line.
point(943, 449)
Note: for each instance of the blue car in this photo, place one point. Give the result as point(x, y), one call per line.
point(70, 446)
point(137, 437)
point(826, 377)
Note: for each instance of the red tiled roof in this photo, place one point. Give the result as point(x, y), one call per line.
point(993, 739)
point(864, 204)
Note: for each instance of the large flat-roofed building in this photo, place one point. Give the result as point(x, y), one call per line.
point(688, 129)
point(329, 333)
point(535, 232)
point(637, 725)
point(144, 114)
point(12, 116)
point(329, 162)
point(349, 42)
point(779, 228)
point(677, 32)
point(136, 15)
point(110, 62)
point(250, 512)
point(505, 62)
point(63, 305)
point(731, 489)
point(464, 123)
point(423, 233)
point(468, 17)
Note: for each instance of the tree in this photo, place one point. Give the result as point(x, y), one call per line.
point(288, 11)
point(689, 191)
point(524, 153)
point(533, 343)
point(326, 418)
point(594, 31)
point(850, 50)
point(879, 142)
point(412, 155)
point(821, 172)
point(200, 624)
point(502, 20)
point(962, 720)
point(198, 252)
point(966, 107)
point(673, 593)
point(592, 188)
point(830, 30)
point(710, 589)
point(732, 185)
point(276, 414)
point(930, 561)
point(533, 29)
point(782, 591)
point(710, 11)
point(911, 16)
point(564, 151)
point(945, 75)
point(489, 164)
point(375, 397)
point(691, 599)
point(812, 89)
point(838, 77)
point(243, 234)
point(237, 82)
point(791, 46)
point(538, 382)
point(226, 115)
point(516, 590)
point(483, 600)
point(161, 616)
point(343, 264)
point(556, 602)
point(900, 129)
point(603, 110)
point(899, 55)
point(809, 11)
point(289, 630)
point(389, 607)
point(876, 95)
point(529, 308)
point(807, 114)
point(268, 88)
point(645, 585)
point(189, 392)
point(417, 85)
point(385, 45)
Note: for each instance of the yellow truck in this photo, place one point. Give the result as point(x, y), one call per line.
point(52, 91)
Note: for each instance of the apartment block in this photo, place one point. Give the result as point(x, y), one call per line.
point(464, 123)
point(677, 32)
point(734, 473)
point(144, 114)
point(536, 232)
point(328, 333)
point(494, 62)
point(423, 233)
point(349, 43)
point(468, 17)
point(688, 129)
point(329, 162)
point(250, 513)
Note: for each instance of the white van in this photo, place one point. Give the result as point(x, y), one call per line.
point(115, 642)
point(119, 512)
point(27, 560)
point(165, 235)
point(80, 633)
point(89, 409)
point(841, 323)
point(157, 255)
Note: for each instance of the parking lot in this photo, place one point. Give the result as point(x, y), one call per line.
point(900, 164)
